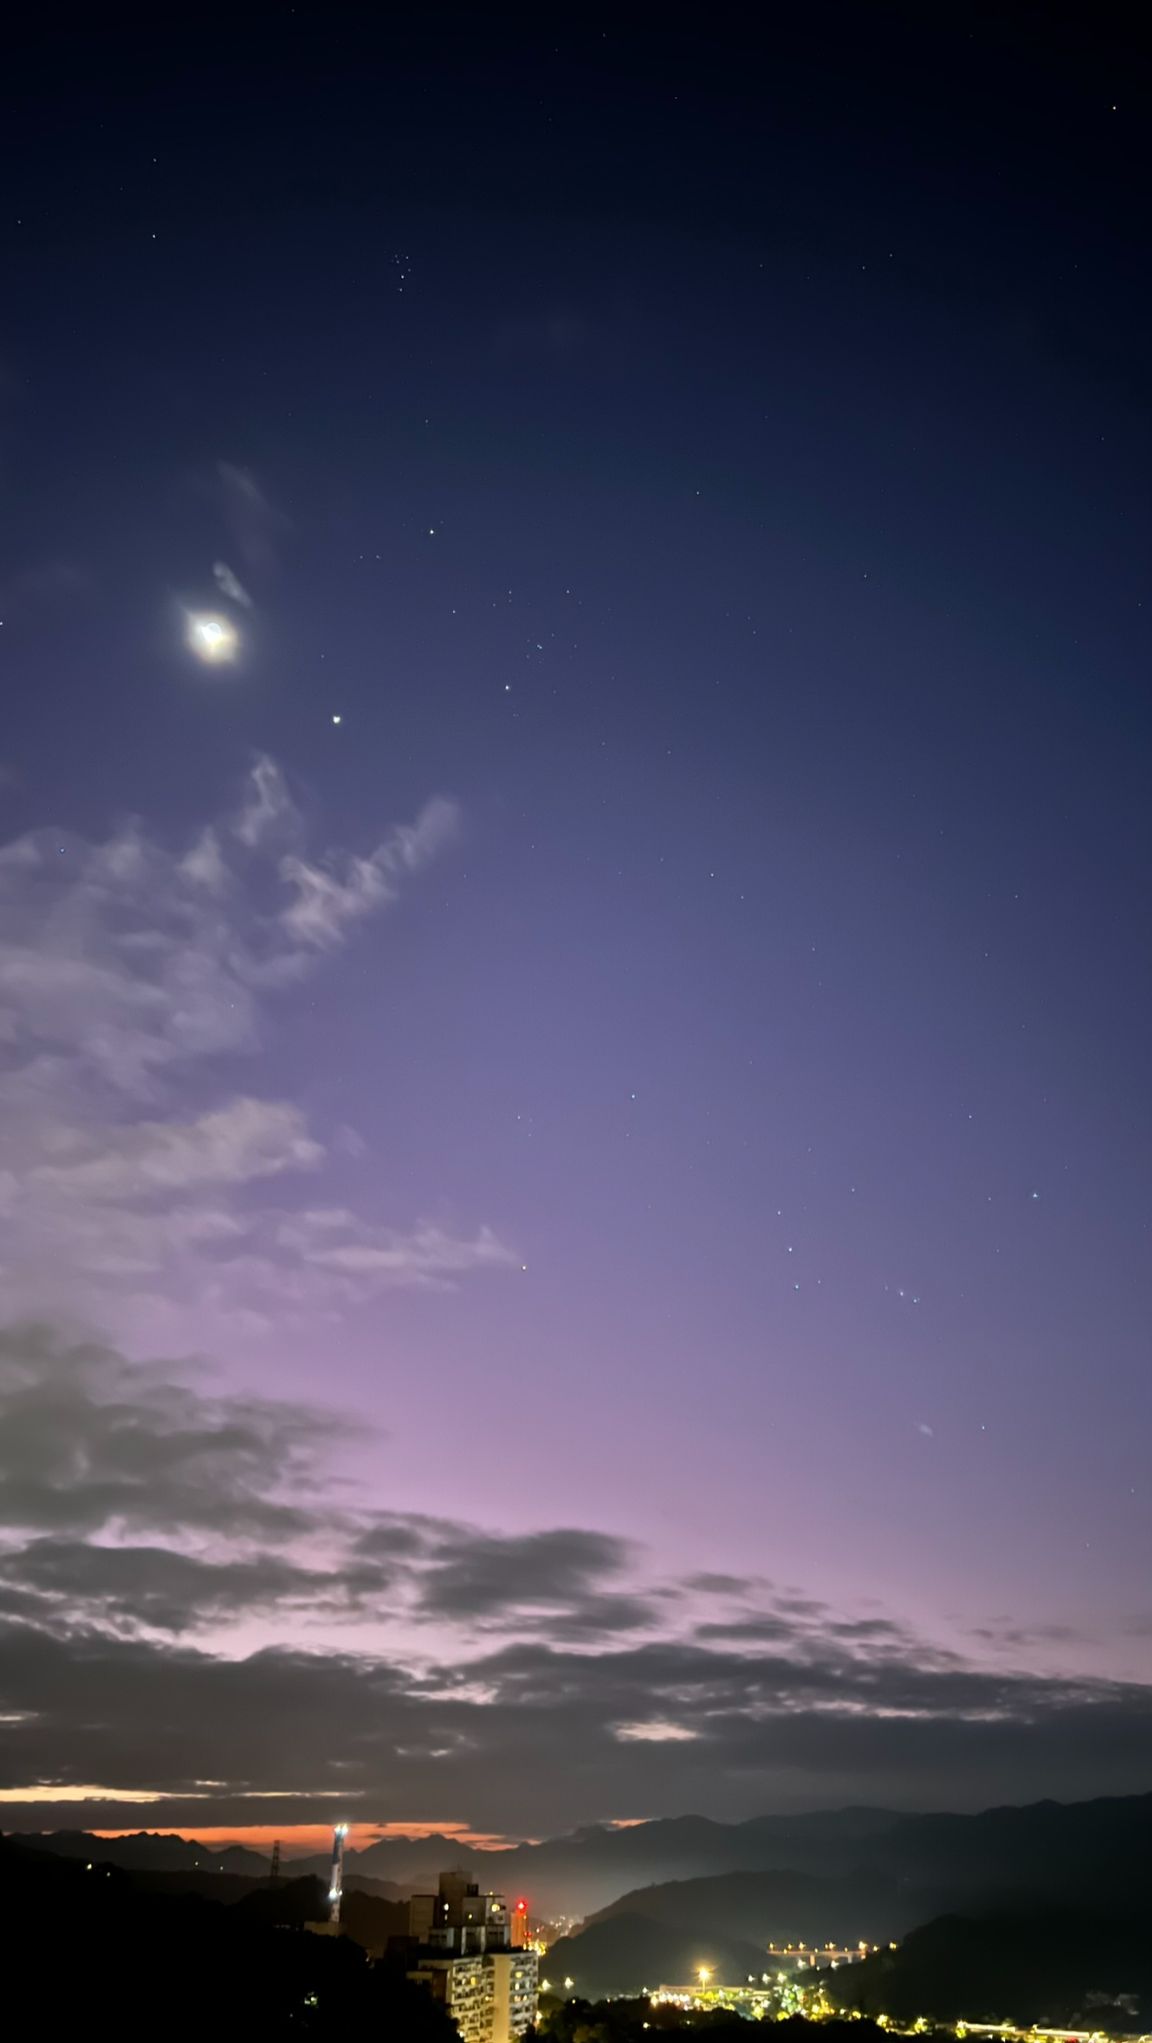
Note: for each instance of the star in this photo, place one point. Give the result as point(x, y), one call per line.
point(337, 719)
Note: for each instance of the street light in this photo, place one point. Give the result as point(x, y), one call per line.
point(704, 1974)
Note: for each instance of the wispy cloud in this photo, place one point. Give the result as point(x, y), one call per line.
point(230, 585)
point(329, 897)
point(253, 522)
point(267, 809)
point(232, 1145)
point(127, 967)
point(425, 1254)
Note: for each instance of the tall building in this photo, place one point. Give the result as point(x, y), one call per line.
point(421, 1916)
point(467, 1959)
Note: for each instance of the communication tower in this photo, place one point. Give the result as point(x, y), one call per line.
point(336, 1883)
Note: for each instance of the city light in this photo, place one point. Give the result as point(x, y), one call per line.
point(766, 2003)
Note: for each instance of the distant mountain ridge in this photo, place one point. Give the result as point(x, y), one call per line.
point(939, 1856)
point(157, 1851)
point(1087, 1856)
point(585, 1869)
point(149, 1851)
point(917, 1864)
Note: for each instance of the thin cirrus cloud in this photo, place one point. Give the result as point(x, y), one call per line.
point(230, 585)
point(126, 968)
point(327, 902)
point(255, 525)
point(231, 1145)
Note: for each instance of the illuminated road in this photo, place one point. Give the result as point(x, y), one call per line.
point(773, 1998)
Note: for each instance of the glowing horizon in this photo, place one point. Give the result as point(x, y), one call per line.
point(306, 1837)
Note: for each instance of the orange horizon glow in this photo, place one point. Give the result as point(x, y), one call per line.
point(310, 1837)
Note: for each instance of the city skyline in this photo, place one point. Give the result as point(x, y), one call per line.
point(573, 870)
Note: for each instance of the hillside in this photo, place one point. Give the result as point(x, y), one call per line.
point(1056, 1848)
point(1055, 1966)
point(1086, 1856)
point(780, 1908)
point(85, 1949)
point(627, 1953)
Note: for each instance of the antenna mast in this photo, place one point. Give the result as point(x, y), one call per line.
point(336, 1883)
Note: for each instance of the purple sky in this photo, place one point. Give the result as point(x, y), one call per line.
point(667, 1070)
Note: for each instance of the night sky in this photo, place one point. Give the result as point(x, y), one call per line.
point(576, 1115)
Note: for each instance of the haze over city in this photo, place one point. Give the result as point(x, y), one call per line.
point(573, 963)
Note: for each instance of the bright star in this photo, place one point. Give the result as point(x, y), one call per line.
point(212, 638)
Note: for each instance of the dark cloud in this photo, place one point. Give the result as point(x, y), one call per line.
point(709, 1584)
point(481, 1574)
point(560, 1584)
point(595, 1616)
point(1015, 1636)
point(394, 1538)
point(528, 1737)
point(145, 1717)
point(752, 1630)
point(795, 1619)
point(139, 1513)
point(177, 1493)
point(89, 1440)
point(866, 1628)
point(129, 1588)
